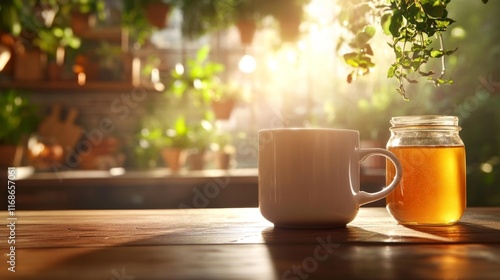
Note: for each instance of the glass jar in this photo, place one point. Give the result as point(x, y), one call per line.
point(432, 190)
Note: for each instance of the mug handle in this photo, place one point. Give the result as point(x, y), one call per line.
point(364, 197)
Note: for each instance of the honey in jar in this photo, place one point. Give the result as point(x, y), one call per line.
point(432, 190)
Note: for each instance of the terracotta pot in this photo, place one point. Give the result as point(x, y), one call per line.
point(30, 66)
point(247, 31)
point(157, 14)
point(11, 155)
point(174, 158)
point(222, 160)
point(196, 160)
point(223, 109)
point(82, 23)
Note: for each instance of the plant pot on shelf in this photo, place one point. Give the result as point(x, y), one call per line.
point(29, 65)
point(247, 31)
point(174, 158)
point(157, 14)
point(223, 160)
point(196, 159)
point(223, 109)
point(82, 22)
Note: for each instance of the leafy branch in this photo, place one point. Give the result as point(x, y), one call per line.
point(412, 25)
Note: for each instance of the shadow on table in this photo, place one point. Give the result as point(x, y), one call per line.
point(341, 253)
point(259, 258)
point(462, 232)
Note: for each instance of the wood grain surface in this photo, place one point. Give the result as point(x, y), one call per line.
point(237, 243)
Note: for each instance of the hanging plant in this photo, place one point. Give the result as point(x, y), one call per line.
point(202, 17)
point(413, 26)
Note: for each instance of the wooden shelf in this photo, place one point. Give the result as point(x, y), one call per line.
point(109, 34)
point(70, 86)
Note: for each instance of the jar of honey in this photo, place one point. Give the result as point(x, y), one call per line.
point(432, 190)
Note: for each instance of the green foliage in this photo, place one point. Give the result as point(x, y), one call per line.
point(201, 17)
point(197, 83)
point(411, 24)
point(188, 120)
point(156, 135)
point(200, 135)
point(89, 6)
point(51, 38)
point(11, 13)
point(17, 116)
point(176, 136)
point(135, 20)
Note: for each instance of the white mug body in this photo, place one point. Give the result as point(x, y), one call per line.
point(310, 177)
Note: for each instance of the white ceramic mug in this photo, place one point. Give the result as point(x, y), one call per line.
point(310, 177)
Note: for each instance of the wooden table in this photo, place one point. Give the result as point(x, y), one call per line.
point(238, 243)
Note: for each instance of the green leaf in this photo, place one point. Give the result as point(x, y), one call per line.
point(434, 10)
point(385, 22)
point(437, 53)
point(351, 59)
point(369, 30)
point(365, 62)
point(411, 81)
point(448, 52)
point(425, 74)
point(395, 25)
point(442, 24)
point(391, 71)
point(361, 39)
point(202, 53)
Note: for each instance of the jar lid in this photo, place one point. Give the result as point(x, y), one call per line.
point(425, 121)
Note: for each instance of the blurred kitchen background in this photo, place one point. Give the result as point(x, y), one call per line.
point(125, 111)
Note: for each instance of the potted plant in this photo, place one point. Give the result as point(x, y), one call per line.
point(19, 119)
point(141, 18)
point(194, 85)
point(149, 142)
point(157, 12)
point(223, 150)
point(201, 17)
point(85, 13)
point(224, 98)
point(135, 21)
point(288, 15)
point(200, 136)
point(111, 62)
point(53, 41)
point(175, 141)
